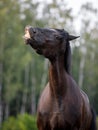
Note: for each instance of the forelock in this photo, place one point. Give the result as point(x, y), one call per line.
point(63, 32)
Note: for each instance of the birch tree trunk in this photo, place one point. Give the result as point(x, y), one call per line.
point(82, 65)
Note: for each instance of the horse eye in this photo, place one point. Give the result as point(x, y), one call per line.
point(34, 31)
point(56, 37)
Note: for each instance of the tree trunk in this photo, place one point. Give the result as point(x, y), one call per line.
point(1, 78)
point(43, 82)
point(81, 69)
point(44, 76)
point(33, 97)
point(6, 114)
point(26, 82)
point(1, 112)
point(33, 91)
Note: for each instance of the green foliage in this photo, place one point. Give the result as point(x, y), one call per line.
point(97, 123)
point(15, 57)
point(22, 122)
point(89, 50)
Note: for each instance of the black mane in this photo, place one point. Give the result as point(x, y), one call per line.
point(67, 55)
point(67, 58)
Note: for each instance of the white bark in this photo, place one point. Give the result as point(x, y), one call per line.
point(81, 68)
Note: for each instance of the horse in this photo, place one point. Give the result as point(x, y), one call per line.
point(62, 104)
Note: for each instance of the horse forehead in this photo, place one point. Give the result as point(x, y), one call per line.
point(60, 31)
point(51, 29)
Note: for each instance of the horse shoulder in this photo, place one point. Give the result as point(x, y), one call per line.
point(44, 104)
point(86, 103)
point(43, 110)
point(83, 106)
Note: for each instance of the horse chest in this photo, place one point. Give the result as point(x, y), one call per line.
point(56, 111)
point(58, 120)
point(64, 115)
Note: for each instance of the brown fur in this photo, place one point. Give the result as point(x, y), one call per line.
point(62, 105)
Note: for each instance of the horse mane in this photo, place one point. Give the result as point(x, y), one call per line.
point(67, 58)
point(67, 55)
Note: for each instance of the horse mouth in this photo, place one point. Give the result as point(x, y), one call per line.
point(27, 36)
point(31, 41)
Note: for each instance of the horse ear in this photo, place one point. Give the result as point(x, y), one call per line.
point(71, 37)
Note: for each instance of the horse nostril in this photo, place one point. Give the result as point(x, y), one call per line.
point(34, 31)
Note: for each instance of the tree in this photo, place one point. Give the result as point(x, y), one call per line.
point(57, 15)
point(88, 53)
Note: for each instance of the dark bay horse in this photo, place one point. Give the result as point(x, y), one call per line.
point(62, 105)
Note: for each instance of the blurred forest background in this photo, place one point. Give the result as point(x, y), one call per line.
point(23, 73)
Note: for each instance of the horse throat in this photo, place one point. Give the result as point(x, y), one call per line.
point(57, 77)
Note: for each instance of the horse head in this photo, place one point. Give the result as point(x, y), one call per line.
point(46, 41)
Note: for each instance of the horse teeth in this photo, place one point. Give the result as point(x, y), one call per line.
point(27, 35)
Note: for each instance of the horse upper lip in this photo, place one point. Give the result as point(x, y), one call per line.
point(27, 34)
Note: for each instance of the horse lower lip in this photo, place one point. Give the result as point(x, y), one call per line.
point(24, 37)
point(26, 41)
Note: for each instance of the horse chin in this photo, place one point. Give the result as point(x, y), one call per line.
point(37, 47)
point(39, 51)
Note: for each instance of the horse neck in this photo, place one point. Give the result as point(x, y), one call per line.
point(58, 77)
